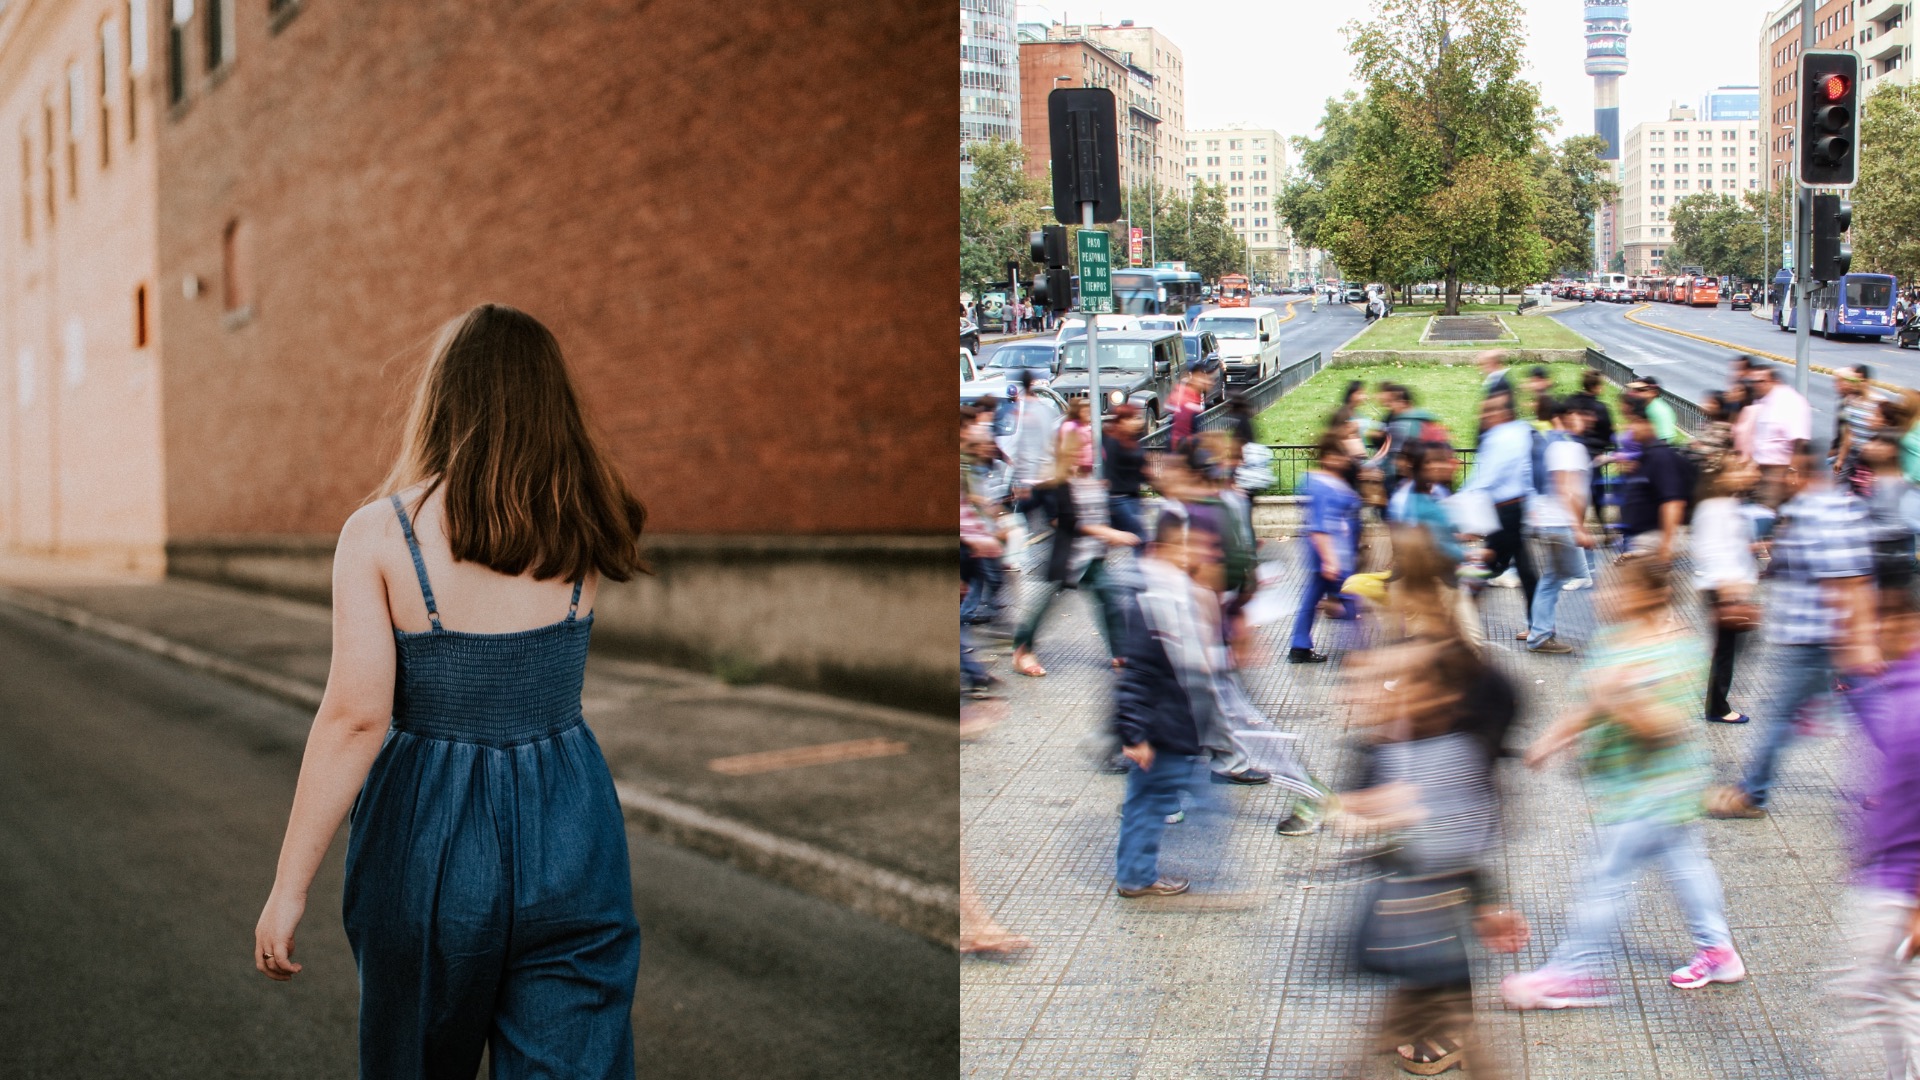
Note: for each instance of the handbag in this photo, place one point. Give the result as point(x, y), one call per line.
point(1416, 928)
point(1736, 616)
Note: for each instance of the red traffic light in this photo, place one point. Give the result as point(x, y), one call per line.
point(1835, 86)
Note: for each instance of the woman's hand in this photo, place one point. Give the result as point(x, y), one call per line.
point(273, 936)
point(1502, 930)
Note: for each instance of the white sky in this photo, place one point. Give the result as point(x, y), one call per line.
point(1273, 63)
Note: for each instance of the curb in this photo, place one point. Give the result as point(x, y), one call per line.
point(926, 910)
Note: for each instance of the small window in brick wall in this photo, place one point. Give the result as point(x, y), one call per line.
point(236, 286)
point(140, 316)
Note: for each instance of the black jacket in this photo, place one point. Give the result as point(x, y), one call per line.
point(1599, 436)
point(1149, 704)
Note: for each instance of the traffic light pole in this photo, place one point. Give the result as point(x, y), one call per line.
point(1802, 227)
point(1802, 286)
point(1093, 358)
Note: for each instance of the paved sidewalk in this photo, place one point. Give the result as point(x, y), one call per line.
point(1256, 980)
point(869, 826)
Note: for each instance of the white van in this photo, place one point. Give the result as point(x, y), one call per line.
point(1249, 341)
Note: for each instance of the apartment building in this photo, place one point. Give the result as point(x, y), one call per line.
point(1666, 161)
point(1249, 163)
point(989, 75)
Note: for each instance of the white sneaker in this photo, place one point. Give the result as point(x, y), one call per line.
point(1508, 580)
point(1577, 584)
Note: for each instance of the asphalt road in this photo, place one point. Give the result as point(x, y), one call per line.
point(142, 813)
point(1693, 368)
point(1306, 333)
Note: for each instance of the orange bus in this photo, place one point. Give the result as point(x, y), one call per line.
point(1677, 290)
point(1702, 292)
point(1662, 290)
point(1234, 291)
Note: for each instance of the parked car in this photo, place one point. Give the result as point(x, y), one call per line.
point(969, 335)
point(1741, 302)
point(1908, 336)
point(1006, 362)
point(1135, 365)
point(1160, 322)
point(1356, 295)
point(1202, 345)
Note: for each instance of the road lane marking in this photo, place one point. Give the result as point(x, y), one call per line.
point(800, 757)
point(1821, 369)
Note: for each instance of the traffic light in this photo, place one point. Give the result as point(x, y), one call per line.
point(1832, 214)
point(1053, 285)
point(1829, 135)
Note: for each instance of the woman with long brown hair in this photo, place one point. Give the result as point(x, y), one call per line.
point(488, 898)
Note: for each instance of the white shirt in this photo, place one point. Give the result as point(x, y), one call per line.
point(1722, 544)
point(1549, 511)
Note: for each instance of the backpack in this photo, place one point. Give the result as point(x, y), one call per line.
point(1542, 480)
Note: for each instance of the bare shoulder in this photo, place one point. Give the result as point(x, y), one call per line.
point(368, 530)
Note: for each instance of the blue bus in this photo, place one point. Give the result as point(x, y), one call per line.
point(1145, 290)
point(1857, 305)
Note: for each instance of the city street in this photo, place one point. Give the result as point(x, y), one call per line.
point(1306, 333)
point(1694, 368)
point(1250, 975)
point(145, 804)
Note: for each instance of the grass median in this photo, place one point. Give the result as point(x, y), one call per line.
point(1451, 392)
point(1402, 332)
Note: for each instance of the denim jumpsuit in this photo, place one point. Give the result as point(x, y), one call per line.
point(488, 898)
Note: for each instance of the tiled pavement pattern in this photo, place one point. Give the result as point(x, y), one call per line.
point(1259, 984)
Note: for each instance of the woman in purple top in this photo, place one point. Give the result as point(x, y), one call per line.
point(1331, 507)
point(1884, 922)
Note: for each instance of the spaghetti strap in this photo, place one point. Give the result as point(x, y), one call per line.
point(420, 565)
point(573, 608)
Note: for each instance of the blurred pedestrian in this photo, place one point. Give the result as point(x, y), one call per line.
point(1775, 420)
point(1710, 448)
point(1726, 576)
point(1030, 447)
point(1440, 732)
point(1656, 486)
point(1331, 551)
point(1888, 506)
point(1493, 374)
point(1125, 463)
point(1882, 912)
point(1856, 416)
point(1079, 424)
point(1557, 521)
point(1820, 614)
point(1666, 426)
point(488, 894)
point(1645, 771)
point(1503, 470)
point(1161, 701)
point(1187, 402)
point(1081, 536)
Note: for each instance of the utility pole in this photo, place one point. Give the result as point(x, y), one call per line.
point(1802, 224)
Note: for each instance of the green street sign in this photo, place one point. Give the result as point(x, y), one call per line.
point(1096, 271)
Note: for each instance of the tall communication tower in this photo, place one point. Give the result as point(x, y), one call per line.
point(1606, 61)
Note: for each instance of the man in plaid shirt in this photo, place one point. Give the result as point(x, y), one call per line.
point(1820, 613)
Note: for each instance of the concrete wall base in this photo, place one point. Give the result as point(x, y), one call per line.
point(135, 560)
point(867, 617)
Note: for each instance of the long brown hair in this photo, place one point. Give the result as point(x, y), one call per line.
point(496, 422)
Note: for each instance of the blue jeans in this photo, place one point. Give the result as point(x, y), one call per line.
point(1317, 589)
point(1560, 561)
point(1125, 513)
point(1624, 850)
point(1152, 794)
point(1809, 671)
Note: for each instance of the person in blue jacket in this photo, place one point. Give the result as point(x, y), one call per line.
point(1332, 550)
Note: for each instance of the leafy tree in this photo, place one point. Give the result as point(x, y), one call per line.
point(1572, 183)
point(1302, 199)
point(1886, 202)
point(997, 212)
point(1440, 182)
point(1718, 233)
point(1195, 230)
point(1618, 264)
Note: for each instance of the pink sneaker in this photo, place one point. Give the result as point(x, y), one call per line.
point(1718, 964)
point(1552, 988)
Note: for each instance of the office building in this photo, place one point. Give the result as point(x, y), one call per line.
point(1666, 161)
point(1248, 162)
point(989, 75)
point(1164, 83)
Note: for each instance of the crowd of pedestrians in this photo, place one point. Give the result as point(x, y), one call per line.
point(1810, 543)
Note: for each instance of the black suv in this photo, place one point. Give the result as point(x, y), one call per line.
point(1139, 366)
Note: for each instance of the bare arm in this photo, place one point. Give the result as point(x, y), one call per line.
point(1573, 495)
point(346, 736)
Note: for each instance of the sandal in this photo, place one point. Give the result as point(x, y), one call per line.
point(1027, 664)
point(1431, 1056)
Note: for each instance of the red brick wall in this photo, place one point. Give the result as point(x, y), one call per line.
point(739, 220)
